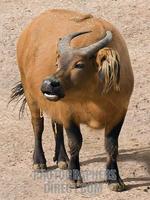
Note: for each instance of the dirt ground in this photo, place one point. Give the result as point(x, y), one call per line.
point(17, 181)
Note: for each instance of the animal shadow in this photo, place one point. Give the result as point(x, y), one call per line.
point(141, 155)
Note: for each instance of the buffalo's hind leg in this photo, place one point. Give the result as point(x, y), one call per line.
point(114, 181)
point(60, 152)
point(39, 161)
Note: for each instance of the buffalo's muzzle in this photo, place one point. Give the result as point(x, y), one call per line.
point(52, 89)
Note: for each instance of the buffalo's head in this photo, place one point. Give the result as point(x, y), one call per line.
point(76, 68)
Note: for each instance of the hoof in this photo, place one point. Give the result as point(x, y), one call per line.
point(79, 183)
point(39, 167)
point(117, 187)
point(73, 184)
point(62, 165)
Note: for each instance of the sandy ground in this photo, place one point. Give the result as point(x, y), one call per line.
point(17, 181)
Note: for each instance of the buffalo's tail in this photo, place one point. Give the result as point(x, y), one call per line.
point(17, 95)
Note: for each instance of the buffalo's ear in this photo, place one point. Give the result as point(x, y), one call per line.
point(108, 62)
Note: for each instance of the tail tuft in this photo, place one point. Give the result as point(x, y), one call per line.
point(17, 95)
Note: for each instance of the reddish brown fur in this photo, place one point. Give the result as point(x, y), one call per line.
point(37, 53)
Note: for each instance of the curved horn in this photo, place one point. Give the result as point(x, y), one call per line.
point(93, 48)
point(64, 43)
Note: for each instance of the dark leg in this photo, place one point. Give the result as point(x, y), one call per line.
point(60, 152)
point(75, 143)
point(39, 161)
point(111, 144)
point(38, 156)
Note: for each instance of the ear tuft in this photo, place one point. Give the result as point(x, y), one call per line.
point(109, 68)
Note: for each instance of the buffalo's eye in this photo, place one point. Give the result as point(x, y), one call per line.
point(79, 65)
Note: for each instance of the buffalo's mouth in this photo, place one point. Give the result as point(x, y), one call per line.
point(52, 97)
point(53, 91)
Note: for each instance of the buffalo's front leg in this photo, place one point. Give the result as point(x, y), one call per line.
point(39, 161)
point(75, 143)
point(60, 152)
point(111, 144)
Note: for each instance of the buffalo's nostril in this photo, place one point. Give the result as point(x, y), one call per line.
point(55, 83)
point(45, 86)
